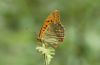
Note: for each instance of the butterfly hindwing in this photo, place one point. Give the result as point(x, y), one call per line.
point(59, 30)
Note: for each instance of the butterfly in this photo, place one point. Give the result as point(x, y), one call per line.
point(52, 31)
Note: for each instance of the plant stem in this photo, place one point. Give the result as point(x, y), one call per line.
point(45, 59)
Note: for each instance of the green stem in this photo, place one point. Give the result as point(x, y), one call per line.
point(45, 59)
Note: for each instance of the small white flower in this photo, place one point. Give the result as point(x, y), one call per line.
point(47, 52)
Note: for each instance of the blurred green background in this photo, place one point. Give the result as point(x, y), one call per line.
point(21, 20)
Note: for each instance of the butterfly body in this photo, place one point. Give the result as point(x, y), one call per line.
point(52, 31)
